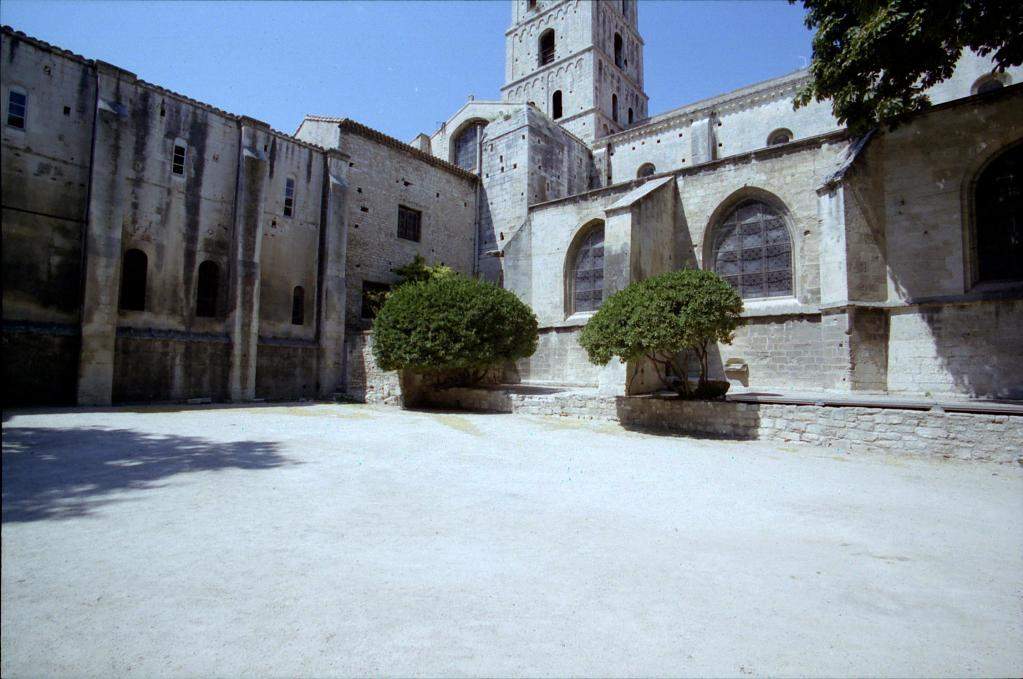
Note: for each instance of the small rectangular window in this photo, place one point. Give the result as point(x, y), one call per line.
point(289, 196)
point(373, 296)
point(409, 223)
point(178, 166)
point(17, 108)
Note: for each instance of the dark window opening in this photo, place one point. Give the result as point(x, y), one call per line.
point(17, 109)
point(289, 197)
point(67, 110)
point(646, 169)
point(779, 137)
point(206, 290)
point(531, 4)
point(556, 105)
point(630, 115)
point(618, 51)
point(178, 165)
point(999, 221)
point(373, 296)
point(587, 279)
point(298, 306)
point(614, 107)
point(409, 223)
point(134, 265)
point(988, 83)
point(625, 8)
point(547, 46)
point(753, 252)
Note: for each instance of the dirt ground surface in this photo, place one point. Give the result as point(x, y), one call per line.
point(322, 540)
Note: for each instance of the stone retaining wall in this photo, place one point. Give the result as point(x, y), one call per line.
point(965, 436)
point(932, 433)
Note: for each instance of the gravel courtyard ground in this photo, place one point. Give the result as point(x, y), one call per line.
point(340, 539)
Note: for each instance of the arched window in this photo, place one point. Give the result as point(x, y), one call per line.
point(465, 149)
point(646, 169)
point(779, 136)
point(752, 251)
point(998, 205)
point(619, 61)
point(630, 115)
point(134, 267)
point(206, 289)
point(586, 276)
point(547, 46)
point(614, 107)
point(990, 83)
point(298, 306)
point(556, 105)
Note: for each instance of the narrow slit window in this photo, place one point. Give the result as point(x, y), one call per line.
point(298, 306)
point(614, 107)
point(409, 223)
point(134, 265)
point(289, 197)
point(206, 290)
point(556, 110)
point(178, 164)
point(17, 109)
point(619, 45)
point(547, 46)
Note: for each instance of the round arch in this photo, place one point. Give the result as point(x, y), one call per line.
point(586, 236)
point(469, 125)
point(735, 200)
point(968, 201)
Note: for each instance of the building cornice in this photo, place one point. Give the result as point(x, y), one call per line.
point(729, 102)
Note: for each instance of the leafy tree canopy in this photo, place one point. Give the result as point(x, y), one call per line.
point(668, 319)
point(875, 58)
point(452, 328)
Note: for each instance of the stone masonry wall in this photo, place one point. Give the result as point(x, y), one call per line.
point(364, 380)
point(964, 436)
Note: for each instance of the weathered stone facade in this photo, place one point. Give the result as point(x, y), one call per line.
point(881, 289)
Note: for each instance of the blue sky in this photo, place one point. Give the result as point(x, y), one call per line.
point(401, 67)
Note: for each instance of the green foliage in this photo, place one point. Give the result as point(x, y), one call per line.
point(452, 328)
point(418, 271)
point(875, 59)
point(415, 271)
point(668, 319)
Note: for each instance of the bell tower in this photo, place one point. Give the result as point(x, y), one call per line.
point(578, 61)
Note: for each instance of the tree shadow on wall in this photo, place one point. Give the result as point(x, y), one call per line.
point(52, 474)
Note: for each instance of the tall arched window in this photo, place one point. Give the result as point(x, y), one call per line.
point(619, 60)
point(556, 110)
point(134, 269)
point(752, 251)
point(646, 169)
point(547, 46)
point(586, 275)
point(465, 149)
point(614, 107)
point(630, 115)
point(298, 306)
point(206, 289)
point(998, 205)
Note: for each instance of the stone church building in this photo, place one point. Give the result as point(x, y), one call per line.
point(157, 248)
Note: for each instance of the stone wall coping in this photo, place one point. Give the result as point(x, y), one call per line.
point(874, 401)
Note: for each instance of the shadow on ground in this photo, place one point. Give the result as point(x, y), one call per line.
point(68, 473)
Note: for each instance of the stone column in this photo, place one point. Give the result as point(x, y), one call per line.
point(333, 284)
point(253, 172)
point(109, 166)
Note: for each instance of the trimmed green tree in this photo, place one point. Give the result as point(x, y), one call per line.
point(452, 330)
point(671, 319)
